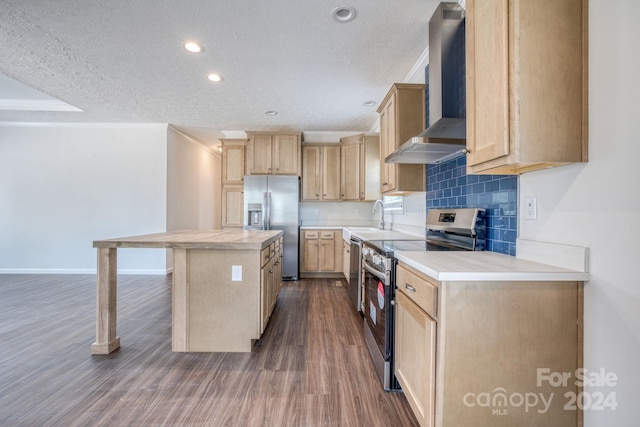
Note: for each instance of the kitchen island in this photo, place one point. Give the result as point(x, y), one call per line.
point(225, 284)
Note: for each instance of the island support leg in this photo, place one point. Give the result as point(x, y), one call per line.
point(180, 298)
point(106, 302)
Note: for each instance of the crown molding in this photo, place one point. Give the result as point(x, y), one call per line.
point(86, 125)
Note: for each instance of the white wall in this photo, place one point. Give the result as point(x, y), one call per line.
point(193, 184)
point(413, 217)
point(598, 205)
point(63, 186)
point(355, 214)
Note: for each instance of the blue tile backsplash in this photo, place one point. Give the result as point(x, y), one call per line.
point(449, 186)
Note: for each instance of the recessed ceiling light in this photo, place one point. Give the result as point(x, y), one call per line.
point(193, 47)
point(215, 77)
point(369, 103)
point(343, 14)
point(271, 113)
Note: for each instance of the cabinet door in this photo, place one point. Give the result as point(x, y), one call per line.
point(232, 206)
point(327, 255)
point(415, 358)
point(346, 260)
point(264, 296)
point(331, 172)
point(487, 47)
point(350, 171)
point(387, 145)
point(233, 164)
point(260, 155)
point(311, 182)
point(286, 155)
point(310, 254)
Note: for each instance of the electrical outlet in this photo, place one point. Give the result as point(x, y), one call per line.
point(530, 208)
point(356, 212)
point(236, 273)
point(315, 211)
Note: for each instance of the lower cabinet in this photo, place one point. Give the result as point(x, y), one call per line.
point(486, 353)
point(232, 206)
point(346, 259)
point(321, 253)
point(271, 281)
point(415, 361)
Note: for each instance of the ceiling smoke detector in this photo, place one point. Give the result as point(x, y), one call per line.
point(343, 14)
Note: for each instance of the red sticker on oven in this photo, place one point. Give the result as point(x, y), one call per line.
point(380, 295)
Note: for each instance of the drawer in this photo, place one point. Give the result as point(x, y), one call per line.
point(272, 248)
point(418, 288)
point(327, 235)
point(265, 254)
point(311, 234)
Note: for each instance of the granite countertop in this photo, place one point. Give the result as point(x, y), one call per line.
point(484, 266)
point(195, 239)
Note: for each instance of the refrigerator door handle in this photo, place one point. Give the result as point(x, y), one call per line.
point(264, 210)
point(268, 210)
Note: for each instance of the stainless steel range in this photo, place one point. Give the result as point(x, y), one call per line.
point(447, 230)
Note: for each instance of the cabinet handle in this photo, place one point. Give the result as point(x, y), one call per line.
point(409, 287)
point(317, 195)
point(385, 183)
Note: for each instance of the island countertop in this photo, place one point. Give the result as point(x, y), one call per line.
point(195, 239)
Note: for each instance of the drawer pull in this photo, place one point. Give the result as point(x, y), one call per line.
point(409, 287)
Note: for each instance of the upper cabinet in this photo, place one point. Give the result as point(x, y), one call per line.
point(402, 116)
point(526, 67)
point(360, 167)
point(233, 154)
point(273, 153)
point(321, 172)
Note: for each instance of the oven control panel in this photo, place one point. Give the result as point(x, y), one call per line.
point(373, 258)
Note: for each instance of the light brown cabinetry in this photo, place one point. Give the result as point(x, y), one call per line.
point(346, 259)
point(271, 280)
point(459, 341)
point(321, 172)
point(360, 167)
point(526, 67)
point(321, 253)
point(402, 116)
point(233, 170)
point(232, 206)
point(233, 155)
point(273, 153)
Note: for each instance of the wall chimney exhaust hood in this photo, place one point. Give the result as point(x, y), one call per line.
point(445, 138)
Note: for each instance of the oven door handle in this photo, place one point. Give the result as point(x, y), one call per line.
point(376, 273)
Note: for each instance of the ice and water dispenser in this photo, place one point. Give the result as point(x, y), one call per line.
point(254, 214)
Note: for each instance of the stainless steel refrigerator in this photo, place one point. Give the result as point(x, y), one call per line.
point(271, 203)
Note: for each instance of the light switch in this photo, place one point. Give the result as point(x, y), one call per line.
point(236, 273)
point(530, 208)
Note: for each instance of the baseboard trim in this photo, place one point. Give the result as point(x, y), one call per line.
point(82, 271)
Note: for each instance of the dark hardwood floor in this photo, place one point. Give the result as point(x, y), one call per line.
point(311, 367)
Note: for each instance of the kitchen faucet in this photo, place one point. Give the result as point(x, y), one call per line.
point(381, 211)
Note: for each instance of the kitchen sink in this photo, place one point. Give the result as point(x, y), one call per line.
point(346, 231)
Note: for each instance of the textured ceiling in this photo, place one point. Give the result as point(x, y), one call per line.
point(123, 61)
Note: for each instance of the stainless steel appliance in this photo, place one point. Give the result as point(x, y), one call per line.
point(354, 286)
point(445, 136)
point(271, 203)
point(447, 230)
